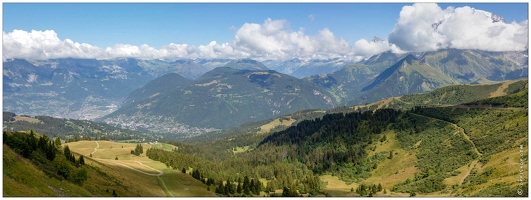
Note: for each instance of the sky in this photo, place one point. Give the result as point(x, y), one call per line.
point(277, 31)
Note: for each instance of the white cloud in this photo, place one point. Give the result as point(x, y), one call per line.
point(271, 40)
point(43, 45)
point(420, 27)
point(427, 27)
point(365, 48)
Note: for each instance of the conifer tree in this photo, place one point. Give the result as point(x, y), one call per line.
point(81, 160)
point(239, 188)
point(246, 189)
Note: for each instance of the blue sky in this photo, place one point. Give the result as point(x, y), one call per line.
point(106, 24)
point(163, 23)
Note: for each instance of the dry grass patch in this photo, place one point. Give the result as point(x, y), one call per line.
point(125, 181)
point(500, 90)
point(390, 144)
point(277, 122)
point(465, 171)
point(505, 168)
point(164, 146)
point(28, 119)
point(337, 188)
point(240, 149)
point(393, 171)
point(146, 185)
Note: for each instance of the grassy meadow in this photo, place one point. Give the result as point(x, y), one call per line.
point(139, 172)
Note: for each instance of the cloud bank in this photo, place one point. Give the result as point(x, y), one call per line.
point(426, 27)
point(420, 27)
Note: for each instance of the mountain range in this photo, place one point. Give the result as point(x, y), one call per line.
point(222, 98)
point(197, 96)
point(377, 79)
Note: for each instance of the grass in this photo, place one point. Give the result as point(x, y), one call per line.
point(338, 188)
point(164, 146)
point(464, 172)
point(240, 149)
point(396, 170)
point(28, 119)
point(277, 122)
point(501, 90)
point(22, 179)
point(177, 183)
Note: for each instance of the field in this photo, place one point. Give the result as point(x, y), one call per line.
point(277, 122)
point(151, 178)
point(338, 188)
point(28, 119)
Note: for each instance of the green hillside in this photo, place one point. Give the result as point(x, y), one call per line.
point(389, 75)
point(465, 140)
point(450, 95)
point(463, 150)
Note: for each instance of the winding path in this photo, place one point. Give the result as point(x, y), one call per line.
point(137, 170)
point(95, 149)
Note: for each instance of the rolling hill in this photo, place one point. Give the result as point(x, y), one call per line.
point(466, 142)
point(459, 150)
point(445, 96)
point(104, 172)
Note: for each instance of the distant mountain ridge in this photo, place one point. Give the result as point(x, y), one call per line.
point(89, 88)
point(387, 75)
point(304, 68)
point(222, 98)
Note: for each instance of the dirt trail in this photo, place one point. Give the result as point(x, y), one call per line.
point(472, 165)
point(95, 149)
point(137, 170)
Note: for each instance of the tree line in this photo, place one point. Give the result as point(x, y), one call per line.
point(48, 155)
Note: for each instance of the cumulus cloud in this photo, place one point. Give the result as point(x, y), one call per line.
point(274, 40)
point(427, 27)
point(365, 49)
point(420, 27)
point(44, 45)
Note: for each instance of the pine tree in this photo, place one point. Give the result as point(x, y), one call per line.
point(379, 187)
point(239, 188)
point(257, 187)
point(246, 189)
point(251, 186)
point(221, 188)
point(81, 160)
point(32, 140)
point(66, 152)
